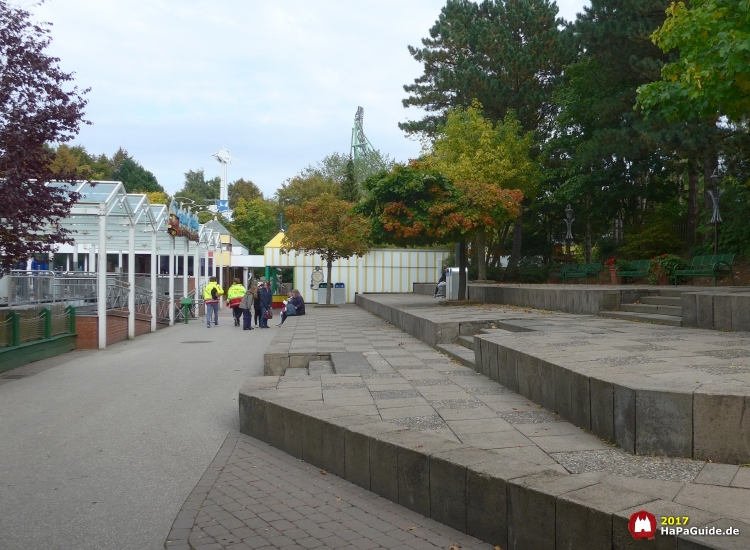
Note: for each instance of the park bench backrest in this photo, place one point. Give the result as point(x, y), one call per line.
point(705, 262)
point(638, 265)
point(726, 258)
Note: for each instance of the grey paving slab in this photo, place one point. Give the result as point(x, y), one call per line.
point(255, 496)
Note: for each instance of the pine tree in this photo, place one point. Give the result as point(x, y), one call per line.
point(349, 188)
point(507, 54)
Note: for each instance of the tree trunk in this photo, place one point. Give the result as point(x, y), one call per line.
point(588, 230)
point(515, 254)
point(481, 256)
point(328, 288)
point(693, 206)
point(462, 282)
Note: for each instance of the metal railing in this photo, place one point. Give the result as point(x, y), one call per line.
point(73, 287)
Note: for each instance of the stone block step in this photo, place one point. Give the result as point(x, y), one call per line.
point(671, 292)
point(459, 353)
point(319, 367)
point(652, 308)
point(466, 341)
point(669, 320)
point(295, 372)
point(662, 300)
point(351, 362)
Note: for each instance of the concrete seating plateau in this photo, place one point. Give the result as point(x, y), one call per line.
point(449, 442)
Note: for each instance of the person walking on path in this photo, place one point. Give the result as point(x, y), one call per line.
point(211, 294)
point(256, 304)
point(246, 307)
point(234, 297)
point(265, 298)
point(295, 306)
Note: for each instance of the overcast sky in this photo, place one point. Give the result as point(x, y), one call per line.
point(278, 83)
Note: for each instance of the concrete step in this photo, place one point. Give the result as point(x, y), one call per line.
point(466, 341)
point(459, 353)
point(295, 372)
point(669, 320)
point(670, 292)
point(651, 308)
point(662, 300)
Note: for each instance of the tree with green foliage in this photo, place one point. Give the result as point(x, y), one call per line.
point(198, 188)
point(490, 165)
point(135, 177)
point(604, 157)
point(334, 167)
point(349, 188)
point(77, 159)
point(711, 77)
point(242, 189)
point(507, 54)
point(301, 189)
point(326, 226)
point(254, 223)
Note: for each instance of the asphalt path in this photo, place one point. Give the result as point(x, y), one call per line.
point(99, 449)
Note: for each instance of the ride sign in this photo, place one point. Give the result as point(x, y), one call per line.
point(182, 223)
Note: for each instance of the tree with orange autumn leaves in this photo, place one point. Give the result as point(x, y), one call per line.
point(326, 226)
point(473, 179)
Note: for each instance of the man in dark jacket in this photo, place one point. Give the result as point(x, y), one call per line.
point(265, 298)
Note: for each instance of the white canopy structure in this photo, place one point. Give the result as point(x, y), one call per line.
point(108, 219)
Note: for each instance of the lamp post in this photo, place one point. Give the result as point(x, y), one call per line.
point(569, 235)
point(715, 195)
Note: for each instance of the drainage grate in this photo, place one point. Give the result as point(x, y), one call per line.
point(198, 342)
point(13, 376)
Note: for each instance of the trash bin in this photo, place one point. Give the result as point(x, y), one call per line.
point(322, 292)
point(186, 304)
point(339, 294)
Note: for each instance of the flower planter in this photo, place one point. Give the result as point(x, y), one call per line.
point(663, 279)
point(613, 275)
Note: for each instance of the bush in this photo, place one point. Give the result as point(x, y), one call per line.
point(532, 269)
point(655, 236)
point(665, 265)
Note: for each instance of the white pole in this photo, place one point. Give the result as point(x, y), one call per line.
point(244, 276)
point(131, 280)
point(92, 259)
point(101, 277)
point(171, 280)
point(197, 270)
point(154, 259)
point(221, 268)
point(185, 268)
point(206, 275)
point(75, 256)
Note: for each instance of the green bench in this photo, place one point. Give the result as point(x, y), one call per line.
point(708, 266)
point(637, 269)
point(580, 271)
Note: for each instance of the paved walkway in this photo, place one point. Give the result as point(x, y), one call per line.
point(99, 449)
point(254, 496)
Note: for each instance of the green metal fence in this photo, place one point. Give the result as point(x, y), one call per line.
point(30, 325)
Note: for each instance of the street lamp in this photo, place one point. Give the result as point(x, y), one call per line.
point(569, 235)
point(715, 195)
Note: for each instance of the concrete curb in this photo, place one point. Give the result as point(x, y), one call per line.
point(510, 504)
